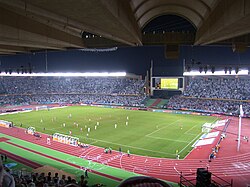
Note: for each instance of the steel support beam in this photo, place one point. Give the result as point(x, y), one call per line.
point(15, 49)
point(29, 44)
point(228, 19)
point(83, 24)
point(15, 20)
point(122, 12)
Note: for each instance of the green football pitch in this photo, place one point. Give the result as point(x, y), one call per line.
point(142, 132)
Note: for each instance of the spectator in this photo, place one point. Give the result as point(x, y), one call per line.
point(56, 179)
point(62, 181)
point(6, 180)
point(214, 95)
point(44, 90)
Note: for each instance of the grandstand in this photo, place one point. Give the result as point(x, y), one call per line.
point(180, 117)
point(88, 91)
point(47, 90)
point(221, 95)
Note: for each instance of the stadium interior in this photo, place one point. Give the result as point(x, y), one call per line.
point(181, 124)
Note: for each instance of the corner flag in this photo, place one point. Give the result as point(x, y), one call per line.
point(239, 134)
point(241, 111)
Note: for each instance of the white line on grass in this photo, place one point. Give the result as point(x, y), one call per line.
point(52, 129)
point(55, 128)
point(162, 128)
point(131, 146)
point(154, 137)
point(190, 130)
point(91, 143)
point(190, 143)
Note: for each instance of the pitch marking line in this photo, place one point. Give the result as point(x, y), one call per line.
point(149, 150)
point(162, 127)
point(190, 130)
point(92, 143)
point(173, 140)
point(54, 128)
point(190, 143)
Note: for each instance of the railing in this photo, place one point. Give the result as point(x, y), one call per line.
point(215, 180)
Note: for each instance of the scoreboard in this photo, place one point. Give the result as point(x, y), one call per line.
point(169, 83)
point(165, 87)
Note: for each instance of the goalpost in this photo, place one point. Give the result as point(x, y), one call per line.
point(43, 107)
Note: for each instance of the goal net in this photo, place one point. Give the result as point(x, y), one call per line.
point(44, 107)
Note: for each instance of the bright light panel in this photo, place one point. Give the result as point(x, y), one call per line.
point(87, 74)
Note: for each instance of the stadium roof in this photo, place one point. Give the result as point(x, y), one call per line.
point(30, 25)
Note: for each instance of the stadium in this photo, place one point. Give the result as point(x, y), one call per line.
point(68, 117)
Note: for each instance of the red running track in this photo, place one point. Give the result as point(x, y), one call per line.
point(230, 164)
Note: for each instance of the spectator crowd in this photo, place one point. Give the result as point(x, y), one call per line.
point(89, 90)
point(216, 95)
point(220, 88)
point(203, 94)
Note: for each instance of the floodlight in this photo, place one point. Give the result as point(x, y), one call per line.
point(88, 74)
point(200, 69)
point(205, 69)
point(225, 69)
point(237, 70)
point(212, 69)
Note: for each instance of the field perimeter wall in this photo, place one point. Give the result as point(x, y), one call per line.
point(16, 109)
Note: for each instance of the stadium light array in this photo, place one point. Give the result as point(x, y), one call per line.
point(87, 74)
point(209, 73)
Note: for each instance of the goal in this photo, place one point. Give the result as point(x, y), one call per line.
point(43, 107)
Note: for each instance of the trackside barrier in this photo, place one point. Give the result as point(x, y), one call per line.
point(193, 180)
point(30, 108)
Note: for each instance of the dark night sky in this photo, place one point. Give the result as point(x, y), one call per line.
point(130, 59)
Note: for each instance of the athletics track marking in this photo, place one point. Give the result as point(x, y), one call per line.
point(98, 140)
point(228, 175)
point(130, 146)
point(147, 135)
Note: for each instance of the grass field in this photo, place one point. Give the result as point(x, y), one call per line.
point(18, 165)
point(146, 133)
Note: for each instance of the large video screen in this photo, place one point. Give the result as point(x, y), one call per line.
point(169, 83)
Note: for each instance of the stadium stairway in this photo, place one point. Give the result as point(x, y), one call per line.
point(148, 102)
point(155, 103)
point(162, 103)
